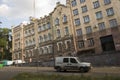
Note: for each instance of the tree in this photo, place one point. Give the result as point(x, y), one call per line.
point(5, 43)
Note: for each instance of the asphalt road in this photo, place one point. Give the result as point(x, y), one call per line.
point(7, 73)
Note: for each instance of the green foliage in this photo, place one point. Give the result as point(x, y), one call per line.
point(28, 76)
point(4, 43)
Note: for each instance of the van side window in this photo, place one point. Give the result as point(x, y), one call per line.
point(65, 60)
point(72, 60)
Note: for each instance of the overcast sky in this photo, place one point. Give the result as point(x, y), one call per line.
point(14, 12)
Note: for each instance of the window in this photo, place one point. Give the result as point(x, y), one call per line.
point(44, 27)
point(110, 11)
point(86, 19)
point(57, 21)
point(39, 29)
point(32, 31)
point(107, 2)
point(45, 50)
point(25, 43)
point(29, 31)
point(74, 3)
point(81, 44)
point(96, 4)
point(77, 22)
point(49, 36)
point(88, 30)
point(75, 12)
point(33, 40)
point(45, 37)
point(79, 32)
point(30, 42)
point(50, 49)
point(66, 31)
point(60, 47)
point(113, 23)
point(72, 60)
point(64, 19)
point(84, 8)
point(68, 45)
point(82, 1)
point(58, 33)
point(40, 39)
point(65, 60)
point(90, 42)
point(101, 25)
point(48, 25)
point(99, 15)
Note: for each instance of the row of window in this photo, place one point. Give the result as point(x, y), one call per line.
point(67, 45)
point(17, 36)
point(86, 18)
point(44, 27)
point(17, 45)
point(45, 38)
point(66, 30)
point(96, 3)
point(30, 42)
point(90, 42)
point(44, 50)
point(101, 26)
point(57, 21)
point(29, 32)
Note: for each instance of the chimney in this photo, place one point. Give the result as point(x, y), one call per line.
point(58, 3)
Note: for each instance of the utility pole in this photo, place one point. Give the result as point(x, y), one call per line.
point(34, 6)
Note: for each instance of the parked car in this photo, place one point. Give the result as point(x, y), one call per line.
point(7, 62)
point(71, 63)
point(18, 61)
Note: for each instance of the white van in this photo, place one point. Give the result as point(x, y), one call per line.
point(71, 63)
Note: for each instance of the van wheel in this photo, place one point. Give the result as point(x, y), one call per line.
point(58, 69)
point(82, 69)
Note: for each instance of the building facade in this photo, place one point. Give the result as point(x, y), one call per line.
point(96, 25)
point(81, 27)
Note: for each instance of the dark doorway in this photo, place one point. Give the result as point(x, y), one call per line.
point(107, 43)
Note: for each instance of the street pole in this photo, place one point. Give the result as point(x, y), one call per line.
point(37, 59)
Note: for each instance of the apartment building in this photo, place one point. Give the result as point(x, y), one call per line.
point(96, 25)
point(45, 38)
point(17, 42)
point(62, 30)
point(81, 27)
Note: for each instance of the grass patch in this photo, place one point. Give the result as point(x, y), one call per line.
point(30, 76)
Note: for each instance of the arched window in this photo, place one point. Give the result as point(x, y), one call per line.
point(64, 19)
point(49, 36)
point(45, 50)
point(26, 43)
point(48, 25)
point(33, 40)
point(40, 39)
point(60, 46)
point(45, 37)
point(41, 51)
point(58, 33)
point(68, 45)
point(30, 42)
point(50, 49)
point(56, 21)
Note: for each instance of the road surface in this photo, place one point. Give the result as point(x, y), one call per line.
point(7, 73)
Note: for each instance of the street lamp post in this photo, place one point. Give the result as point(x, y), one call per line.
point(37, 59)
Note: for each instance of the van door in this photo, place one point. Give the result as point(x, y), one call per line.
point(65, 63)
point(74, 64)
